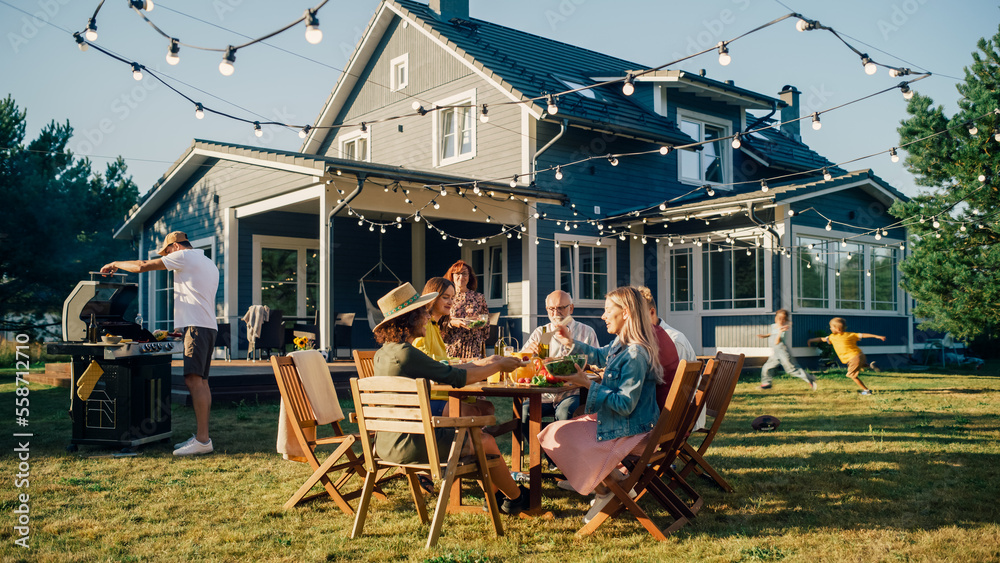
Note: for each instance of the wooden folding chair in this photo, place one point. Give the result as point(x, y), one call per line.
point(364, 362)
point(399, 404)
point(303, 426)
point(719, 393)
point(647, 470)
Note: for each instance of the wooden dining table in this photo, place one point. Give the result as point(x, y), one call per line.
point(519, 393)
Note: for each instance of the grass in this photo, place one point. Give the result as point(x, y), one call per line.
point(908, 474)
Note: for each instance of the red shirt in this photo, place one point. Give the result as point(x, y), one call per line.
point(669, 361)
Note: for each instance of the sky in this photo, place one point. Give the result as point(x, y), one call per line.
point(287, 79)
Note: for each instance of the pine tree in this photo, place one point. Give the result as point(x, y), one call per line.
point(953, 268)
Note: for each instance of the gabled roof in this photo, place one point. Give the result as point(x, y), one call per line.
point(775, 149)
point(201, 152)
point(699, 85)
point(524, 65)
point(782, 193)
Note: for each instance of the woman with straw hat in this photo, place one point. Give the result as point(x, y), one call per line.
point(406, 319)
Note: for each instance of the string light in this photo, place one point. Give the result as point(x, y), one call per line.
point(552, 107)
point(628, 88)
point(483, 115)
point(982, 178)
point(172, 52)
point(805, 25)
point(80, 42)
point(91, 33)
point(996, 135)
point(973, 129)
point(364, 127)
point(257, 130)
point(736, 141)
point(304, 131)
point(418, 108)
point(826, 175)
point(146, 5)
point(663, 206)
point(199, 111)
point(664, 150)
point(892, 155)
point(436, 204)
point(136, 71)
point(907, 92)
point(724, 58)
point(226, 66)
point(763, 186)
point(613, 160)
point(817, 124)
point(870, 67)
point(559, 174)
point(313, 33)
point(513, 181)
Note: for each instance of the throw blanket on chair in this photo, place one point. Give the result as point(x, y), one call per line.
point(255, 318)
point(318, 385)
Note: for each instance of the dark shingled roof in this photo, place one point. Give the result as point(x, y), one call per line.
point(779, 150)
point(534, 65)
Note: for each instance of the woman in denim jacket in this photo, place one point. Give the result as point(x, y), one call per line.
point(621, 408)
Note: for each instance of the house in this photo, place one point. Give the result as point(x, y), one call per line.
point(450, 137)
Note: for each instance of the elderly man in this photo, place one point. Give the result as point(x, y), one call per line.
point(559, 306)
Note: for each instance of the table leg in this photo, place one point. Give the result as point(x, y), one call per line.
point(516, 454)
point(535, 453)
point(455, 496)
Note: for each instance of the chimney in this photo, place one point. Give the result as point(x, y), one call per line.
point(448, 9)
point(790, 96)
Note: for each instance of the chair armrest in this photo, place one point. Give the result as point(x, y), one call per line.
point(352, 418)
point(463, 421)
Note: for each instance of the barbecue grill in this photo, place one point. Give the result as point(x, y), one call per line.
point(129, 404)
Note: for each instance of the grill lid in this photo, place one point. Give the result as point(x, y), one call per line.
point(113, 303)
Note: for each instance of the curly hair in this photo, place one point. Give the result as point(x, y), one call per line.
point(400, 328)
point(472, 284)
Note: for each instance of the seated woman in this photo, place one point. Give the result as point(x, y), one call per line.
point(433, 345)
point(406, 319)
point(621, 408)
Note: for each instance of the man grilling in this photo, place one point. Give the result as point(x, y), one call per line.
point(196, 281)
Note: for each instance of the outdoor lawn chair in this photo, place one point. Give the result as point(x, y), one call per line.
point(647, 471)
point(719, 392)
point(302, 421)
point(364, 362)
point(400, 404)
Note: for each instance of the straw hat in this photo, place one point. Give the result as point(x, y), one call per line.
point(765, 423)
point(402, 300)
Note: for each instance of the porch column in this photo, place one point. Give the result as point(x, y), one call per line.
point(529, 276)
point(325, 305)
point(230, 279)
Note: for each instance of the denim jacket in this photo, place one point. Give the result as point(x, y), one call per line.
point(625, 400)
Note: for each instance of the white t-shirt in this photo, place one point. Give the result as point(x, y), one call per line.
point(579, 332)
point(196, 281)
point(685, 351)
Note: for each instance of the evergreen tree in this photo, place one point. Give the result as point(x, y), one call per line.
point(953, 270)
point(57, 217)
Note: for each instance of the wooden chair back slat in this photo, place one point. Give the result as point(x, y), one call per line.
point(364, 363)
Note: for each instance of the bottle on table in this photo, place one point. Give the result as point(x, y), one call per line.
point(543, 349)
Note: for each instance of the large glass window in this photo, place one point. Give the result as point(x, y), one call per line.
point(850, 282)
point(584, 270)
point(884, 279)
point(733, 277)
point(489, 266)
point(707, 164)
point(289, 279)
point(811, 264)
point(681, 275)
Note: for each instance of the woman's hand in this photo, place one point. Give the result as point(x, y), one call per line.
point(578, 377)
point(457, 323)
point(508, 363)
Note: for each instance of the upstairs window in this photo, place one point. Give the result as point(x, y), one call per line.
point(710, 164)
point(355, 146)
point(455, 129)
point(399, 73)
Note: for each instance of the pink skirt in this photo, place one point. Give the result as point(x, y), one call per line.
point(585, 461)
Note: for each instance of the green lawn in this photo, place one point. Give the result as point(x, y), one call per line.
point(908, 474)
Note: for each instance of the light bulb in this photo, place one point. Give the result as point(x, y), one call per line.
point(817, 124)
point(710, 193)
point(199, 111)
point(437, 205)
point(827, 175)
point(80, 42)
point(559, 174)
point(172, 53)
point(724, 58)
point(936, 224)
point(736, 141)
point(664, 150)
point(982, 177)
point(663, 206)
point(907, 93)
point(612, 160)
point(996, 135)
point(483, 115)
point(803, 25)
point(136, 71)
point(513, 181)
point(226, 66)
point(870, 67)
point(791, 213)
point(628, 88)
point(763, 186)
point(892, 155)
point(552, 107)
point(878, 235)
point(475, 208)
point(973, 129)
point(838, 273)
point(304, 131)
point(91, 33)
point(313, 33)
point(257, 130)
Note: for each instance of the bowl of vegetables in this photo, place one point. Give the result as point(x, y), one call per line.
point(566, 364)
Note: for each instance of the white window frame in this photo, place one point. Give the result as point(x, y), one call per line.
point(487, 273)
point(353, 138)
point(611, 247)
point(465, 98)
point(402, 61)
point(867, 244)
point(154, 318)
point(704, 251)
point(302, 246)
point(727, 150)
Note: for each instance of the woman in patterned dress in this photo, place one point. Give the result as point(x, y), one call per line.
point(462, 341)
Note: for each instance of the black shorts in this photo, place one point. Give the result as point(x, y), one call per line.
point(199, 345)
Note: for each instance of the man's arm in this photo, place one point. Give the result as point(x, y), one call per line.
point(134, 266)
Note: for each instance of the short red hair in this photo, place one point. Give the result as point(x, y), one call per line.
point(472, 284)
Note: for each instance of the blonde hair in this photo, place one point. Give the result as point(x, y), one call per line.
point(782, 312)
point(638, 328)
point(840, 323)
point(648, 295)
